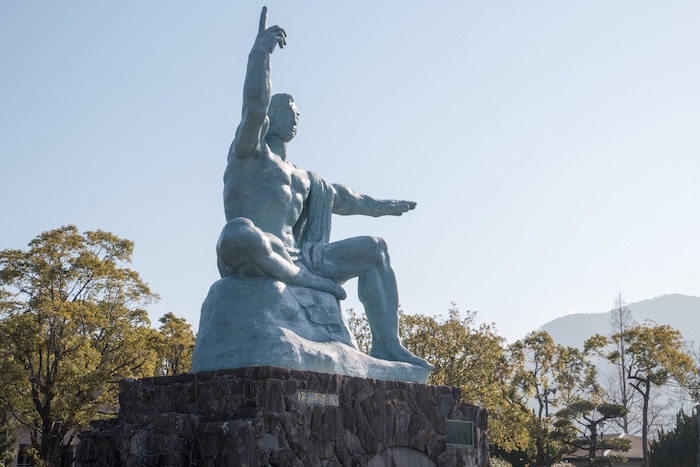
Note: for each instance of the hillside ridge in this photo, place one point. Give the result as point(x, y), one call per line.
point(677, 310)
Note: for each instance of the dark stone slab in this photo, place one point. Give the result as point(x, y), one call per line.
point(255, 417)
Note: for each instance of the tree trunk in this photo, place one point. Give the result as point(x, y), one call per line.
point(47, 448)
point(541, 455)
point(697, 414)
point(594, 441)
point(645, 427)
point(51, 443)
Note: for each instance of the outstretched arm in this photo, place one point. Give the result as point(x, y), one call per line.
point(257, 89)
point(347, 202)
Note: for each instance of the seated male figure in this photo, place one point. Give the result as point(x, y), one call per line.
point(278, 215)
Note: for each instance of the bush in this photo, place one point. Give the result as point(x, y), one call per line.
point(678, 447)
point(498, 462)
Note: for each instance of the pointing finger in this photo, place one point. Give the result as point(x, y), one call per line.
point(263, 20)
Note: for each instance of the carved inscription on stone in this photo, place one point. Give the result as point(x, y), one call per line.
point(308, 397)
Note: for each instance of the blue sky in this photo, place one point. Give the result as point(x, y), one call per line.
point(552, 146)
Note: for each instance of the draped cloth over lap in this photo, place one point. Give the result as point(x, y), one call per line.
point(311, 232)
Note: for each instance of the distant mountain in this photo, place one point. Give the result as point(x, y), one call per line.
point(679, 311)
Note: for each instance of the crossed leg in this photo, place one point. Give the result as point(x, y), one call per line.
point(245, 249)
point(367, 258)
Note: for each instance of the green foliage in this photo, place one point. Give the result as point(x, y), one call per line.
point(7, 427)
point(654, 356)
point(359, 327)
point(465, 355)
point(544, 400)
point(176, 341)
point(513, 456)
point(678, 447)
point(545, 378)
point(575, 377)
point(8, 442)
point(583, 420)
point(471, 357)
point(658, 355)
point(72, 324)
point(692, 385)
point(532, 360)
point(498, 462)
point(538, 367)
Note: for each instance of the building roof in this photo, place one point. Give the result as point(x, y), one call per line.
point(635, 452)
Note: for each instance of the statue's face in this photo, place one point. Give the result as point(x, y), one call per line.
point(284, 122)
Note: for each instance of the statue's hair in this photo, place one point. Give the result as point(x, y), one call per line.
point(278, 102)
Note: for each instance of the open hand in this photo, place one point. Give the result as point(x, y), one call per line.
point(268, 38)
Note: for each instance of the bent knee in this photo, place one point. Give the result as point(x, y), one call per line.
point(379, 249)
point(240, 238)
point(239, 223)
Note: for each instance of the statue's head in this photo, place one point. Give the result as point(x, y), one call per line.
point(283, 115)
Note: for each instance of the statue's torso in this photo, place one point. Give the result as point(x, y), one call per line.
point(267, 190)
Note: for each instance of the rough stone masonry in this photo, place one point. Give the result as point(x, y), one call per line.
point(257, 416)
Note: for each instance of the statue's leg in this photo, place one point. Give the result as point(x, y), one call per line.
point(245, 249)
point(367, 258)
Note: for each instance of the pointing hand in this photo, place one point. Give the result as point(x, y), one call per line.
point(268, 38)
point(397, 207)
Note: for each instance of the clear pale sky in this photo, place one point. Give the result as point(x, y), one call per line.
point(552, 146)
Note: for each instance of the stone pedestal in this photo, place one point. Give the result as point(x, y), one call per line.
point(284, 325)
point(269, 416)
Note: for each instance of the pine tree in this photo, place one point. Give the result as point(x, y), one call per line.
point(679, 447)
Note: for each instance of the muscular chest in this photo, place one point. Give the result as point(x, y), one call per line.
point(265, 181)
point(281, 172)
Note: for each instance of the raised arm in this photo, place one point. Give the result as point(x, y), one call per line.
point(257, 89)
point(347, 202)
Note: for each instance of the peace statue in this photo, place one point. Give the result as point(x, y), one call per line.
point(278, 300)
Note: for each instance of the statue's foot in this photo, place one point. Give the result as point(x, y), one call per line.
point(398, 353)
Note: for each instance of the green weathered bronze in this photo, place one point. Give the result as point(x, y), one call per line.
point(278, 300)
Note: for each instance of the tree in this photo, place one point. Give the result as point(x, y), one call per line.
point(8, 437)
point(359, 327)
point(678, 447)
point(471, 357)
point(576, 378)
point(654, 356)
point(175, 346)
point(580, 423)
point(539, 365)
point(583, 422)
point(8, 441)
point(465, 355)
point(692, 385)
point(620, 391)
point(72, 324)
